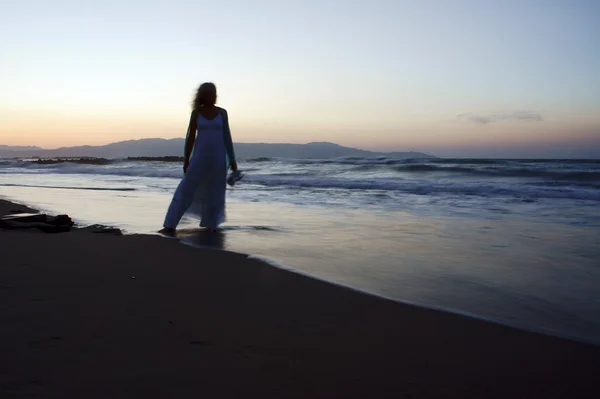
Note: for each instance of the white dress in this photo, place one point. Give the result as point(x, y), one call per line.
point(202, 189)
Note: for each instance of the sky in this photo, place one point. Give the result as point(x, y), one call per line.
point(450, 77)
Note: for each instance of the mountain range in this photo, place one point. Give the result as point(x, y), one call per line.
point(174, 147)
point(19, 148)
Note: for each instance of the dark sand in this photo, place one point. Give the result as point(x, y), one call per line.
point(97, 316)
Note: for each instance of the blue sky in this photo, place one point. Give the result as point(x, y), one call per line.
point(461, 78)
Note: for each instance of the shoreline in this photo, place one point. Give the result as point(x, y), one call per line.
point(503, 323)
point(113, 314)
point(282, 266)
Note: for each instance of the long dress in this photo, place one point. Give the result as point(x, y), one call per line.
point(202, 189)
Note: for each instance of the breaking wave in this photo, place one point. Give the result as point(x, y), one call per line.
point(574, 179)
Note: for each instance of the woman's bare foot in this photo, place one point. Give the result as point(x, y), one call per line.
point(169, 231)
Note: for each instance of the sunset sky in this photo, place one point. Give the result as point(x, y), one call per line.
point(452, 77)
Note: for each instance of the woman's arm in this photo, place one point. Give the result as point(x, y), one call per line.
point(229, 141)
point(190, 139)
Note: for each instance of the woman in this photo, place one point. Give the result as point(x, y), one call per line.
point(205, 164)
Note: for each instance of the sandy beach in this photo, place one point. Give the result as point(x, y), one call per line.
point(104, 316)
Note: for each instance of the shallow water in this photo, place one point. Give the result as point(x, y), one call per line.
point(529, 263)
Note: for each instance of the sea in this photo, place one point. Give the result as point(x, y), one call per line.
point(512, 241)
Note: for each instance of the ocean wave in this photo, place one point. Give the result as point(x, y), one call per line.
point(71, 187)
point(353, 161)
point(154, 159)
point(431, 168)
point(563, 172)
point(260, 159)
point(426, 187)
point(585, 175)
point(114, 169)
point(331, 161)
point(563, 181)
point(87, 161)
point(421, 164)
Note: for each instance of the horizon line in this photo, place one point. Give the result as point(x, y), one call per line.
point(10, 147)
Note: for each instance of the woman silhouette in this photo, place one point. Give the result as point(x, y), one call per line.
point(207, 146)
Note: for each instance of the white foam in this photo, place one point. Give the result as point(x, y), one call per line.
point(306, 180)
point(543, 331)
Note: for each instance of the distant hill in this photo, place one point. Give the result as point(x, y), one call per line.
point(19, 148)
point(174, 147)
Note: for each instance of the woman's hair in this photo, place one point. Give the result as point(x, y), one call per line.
point(205, 96)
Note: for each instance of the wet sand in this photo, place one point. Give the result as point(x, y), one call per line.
point(96, 316)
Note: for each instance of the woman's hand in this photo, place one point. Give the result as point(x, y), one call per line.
point(186, 165)
point(233, 166)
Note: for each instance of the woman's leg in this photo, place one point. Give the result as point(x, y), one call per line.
point(182, 199)
point(212, 217)
point(213, 208)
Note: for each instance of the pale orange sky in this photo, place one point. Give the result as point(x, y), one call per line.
point(392, 76)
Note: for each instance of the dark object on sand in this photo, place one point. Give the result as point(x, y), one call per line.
point(40, 221)
point(101, 229)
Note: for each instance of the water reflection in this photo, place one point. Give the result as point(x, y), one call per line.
point(202, 238)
